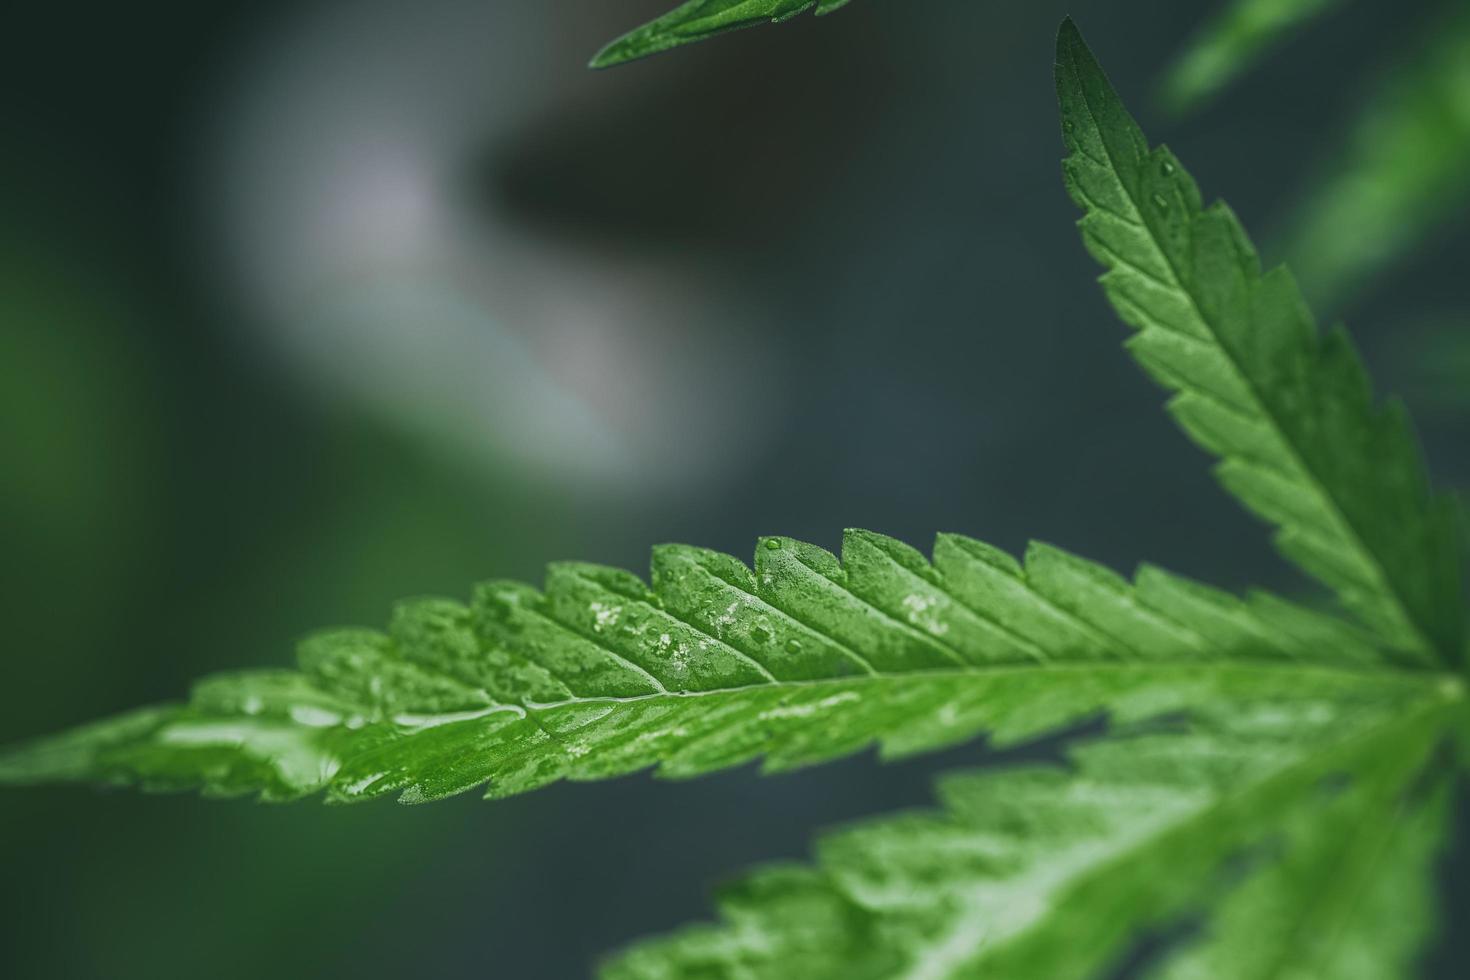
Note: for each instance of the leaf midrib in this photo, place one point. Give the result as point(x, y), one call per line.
point(1443, 680)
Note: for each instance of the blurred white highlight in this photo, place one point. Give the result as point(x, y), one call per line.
point(336, 183)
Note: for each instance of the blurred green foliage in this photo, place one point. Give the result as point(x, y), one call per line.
point(1230, 42)
point(1399, 174)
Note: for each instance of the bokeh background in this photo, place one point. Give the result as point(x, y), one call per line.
point(310, 305)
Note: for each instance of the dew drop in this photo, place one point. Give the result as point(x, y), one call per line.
point(760, 634)
point(773, 544)
point(1160, 202)
point(793, 646)
point(1167, 168)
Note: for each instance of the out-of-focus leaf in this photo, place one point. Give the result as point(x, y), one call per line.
point(1400, 174)
point(1351, 895)
point(1230, 42)
point(1046, 873)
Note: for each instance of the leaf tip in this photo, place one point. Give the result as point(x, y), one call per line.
point(1068, 37)
point(609, 55)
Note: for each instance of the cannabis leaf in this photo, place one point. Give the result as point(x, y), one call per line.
point(1274, 772)
point(1230, 42)
point(700, 19)
point(1290, 412)
point(1298, 834)
point(1049, 872)
point(1351, 892)
point(803, 659)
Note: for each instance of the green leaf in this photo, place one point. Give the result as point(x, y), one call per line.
point(1399, 173)
point(1352, 896)
point(1277, 774)
point(700, 19)
point(1045, 872)
point(1230, 42)
point(1291, 413)
point(802, 659)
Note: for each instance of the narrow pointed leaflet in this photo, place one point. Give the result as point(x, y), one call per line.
point(800, 659)
point(1290, 412)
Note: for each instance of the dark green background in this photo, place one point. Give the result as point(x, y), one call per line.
point(877, 196)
